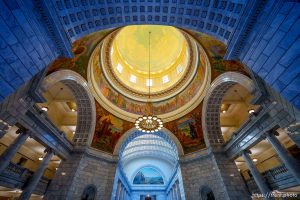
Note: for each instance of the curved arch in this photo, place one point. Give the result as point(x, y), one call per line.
point(212, 104)
point(133, 133)
point(216, 18)
point(86, 118)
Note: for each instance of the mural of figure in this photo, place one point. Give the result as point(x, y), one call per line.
point(193, 131)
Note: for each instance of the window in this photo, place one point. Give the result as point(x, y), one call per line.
point(132, 78)
point(165, 79)
point(206, 193)
point(89, 193)
point(149, 82)
point(119, 68)
point(179, 69)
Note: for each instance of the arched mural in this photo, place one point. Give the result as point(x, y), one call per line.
point(149, 176)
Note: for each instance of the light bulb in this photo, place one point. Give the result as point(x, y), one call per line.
point(251, 111)
point(44, 108)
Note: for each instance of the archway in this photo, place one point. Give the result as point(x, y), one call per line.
point(212, 105)
point(148, 165)
point(132, 133)
point(84, 100)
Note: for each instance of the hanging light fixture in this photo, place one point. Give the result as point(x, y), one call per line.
point(149, 123)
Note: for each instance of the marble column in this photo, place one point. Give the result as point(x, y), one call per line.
point(290, 163)
point(34, 180)
point(178, 191)
point(4, 127)
point(11, 151)
point(119, 191)
point(122, 193)
point(259, 180)
point(174, 193)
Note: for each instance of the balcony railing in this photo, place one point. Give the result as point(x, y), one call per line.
point(277, 178)
point(16, 177)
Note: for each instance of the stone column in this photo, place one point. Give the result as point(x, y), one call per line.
point(117, 191)
point(290, 163)
point(34, 180)
point(3, 128)
point(259, 180)
point(178, 191)
point(122, 192)
point(174, 193)
point(9, 153)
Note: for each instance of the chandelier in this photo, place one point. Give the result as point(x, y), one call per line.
point(149, 123)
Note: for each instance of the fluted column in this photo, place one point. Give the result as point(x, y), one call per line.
point(34, 180)
point(259, 180)
point(9, 153)
point(290, 163)
point(178, 191)
point(122, 193)
point(119, 191)
point(174, 194)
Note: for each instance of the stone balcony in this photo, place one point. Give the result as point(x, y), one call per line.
point(278, 178)
point(16, 176)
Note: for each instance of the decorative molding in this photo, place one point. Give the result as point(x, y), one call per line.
point(246, 22)
point(212, 104)
point(55, 28)
point(86, 118)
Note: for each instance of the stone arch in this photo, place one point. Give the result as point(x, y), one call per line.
point(133, 133)
point(86, 118)
point(212, 104)
point(89, 193)
point(216, 18)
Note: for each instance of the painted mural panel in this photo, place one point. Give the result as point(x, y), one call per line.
point(108, 130)
point(82, 50)
point(149, 176)
point(216, 50)
point(188, 130)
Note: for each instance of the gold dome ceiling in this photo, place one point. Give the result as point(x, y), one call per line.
point(132, 45)
point(129, 57)
point(112, 65)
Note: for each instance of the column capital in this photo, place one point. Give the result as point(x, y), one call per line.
point(247, 151)
point(270, 132)
point(23, 130)
point(49, 150)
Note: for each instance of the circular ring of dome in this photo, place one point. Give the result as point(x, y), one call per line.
point(168, 109)
point(188, 71)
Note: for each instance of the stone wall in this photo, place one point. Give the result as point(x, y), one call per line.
point(272, 48)
point(205, 171)
point(26, 45)
point(82, 169)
